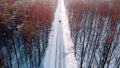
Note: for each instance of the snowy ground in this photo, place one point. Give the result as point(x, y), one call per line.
point(60, 51)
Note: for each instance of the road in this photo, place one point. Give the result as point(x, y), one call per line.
point(60, 51)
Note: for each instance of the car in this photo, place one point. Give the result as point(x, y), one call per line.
point(59, 21)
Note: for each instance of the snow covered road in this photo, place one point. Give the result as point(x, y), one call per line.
point(60, 51)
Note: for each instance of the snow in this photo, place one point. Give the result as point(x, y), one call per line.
point(60, 51)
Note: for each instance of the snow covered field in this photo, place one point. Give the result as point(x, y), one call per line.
point(60, 51)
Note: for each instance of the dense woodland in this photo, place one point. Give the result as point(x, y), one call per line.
point(24, 30)
point(95, 30)
point(25, 27)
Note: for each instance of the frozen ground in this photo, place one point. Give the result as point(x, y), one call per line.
point(60, 51)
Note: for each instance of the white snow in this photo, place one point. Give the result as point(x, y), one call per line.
point(60, 51)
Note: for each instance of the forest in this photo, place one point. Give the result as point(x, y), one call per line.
point(95, 30)
point(25, 28)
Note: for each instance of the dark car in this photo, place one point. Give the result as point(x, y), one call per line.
point(60, 21)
